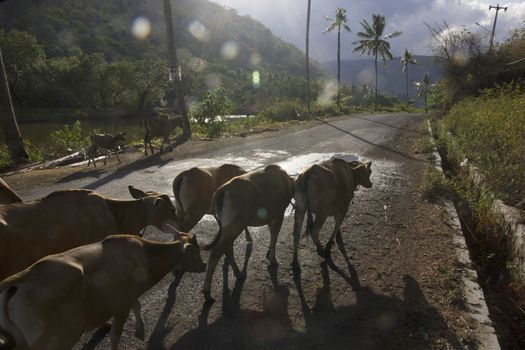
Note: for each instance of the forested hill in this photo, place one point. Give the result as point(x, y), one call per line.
point(66, 27)
point(391, 78)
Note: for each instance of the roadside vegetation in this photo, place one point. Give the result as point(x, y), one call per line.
point(481, 125)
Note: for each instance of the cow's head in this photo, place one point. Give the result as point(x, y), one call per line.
point(159, 208)
point(191, 260)
point(363, 172)
point(120, 139)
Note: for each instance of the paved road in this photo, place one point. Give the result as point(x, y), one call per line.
point(271, 305)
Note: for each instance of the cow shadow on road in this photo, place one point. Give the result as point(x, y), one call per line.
point(373, 322)
point(103, 178)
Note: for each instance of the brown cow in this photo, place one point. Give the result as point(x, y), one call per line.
point(160, 126)
point(7, 195)
point(193, 190)
point(68, 219)
point(50, 304)
point(107, 143)
point(256, 198)
point(325, 190)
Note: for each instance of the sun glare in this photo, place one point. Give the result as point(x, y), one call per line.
point(141, 28)
point(256, 78)
point(230, 50)
point(199, 31)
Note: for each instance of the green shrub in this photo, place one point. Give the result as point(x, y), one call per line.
point(490, 131)
point(66, 140)
point(208, 112)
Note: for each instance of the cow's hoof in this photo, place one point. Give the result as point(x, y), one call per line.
point(273, 263)
point(327, 254)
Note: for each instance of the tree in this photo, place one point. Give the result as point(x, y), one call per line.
point(13, 139)
point(406, 60)
point(22, 56)
point(423, 90)
point(374, 42)
point(308, 56)
point(338, 22)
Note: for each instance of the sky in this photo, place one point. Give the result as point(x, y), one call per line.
point(287, 19)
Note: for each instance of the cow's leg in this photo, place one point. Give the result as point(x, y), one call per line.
point(116, 328)
point(115, 149)
point(169, 143)
point(339, 217)
point(297, 228)
point(316, 227)
point(275, 227)
point(139, 323)
point(231, 259)
point(248, 236)
point(215, 254)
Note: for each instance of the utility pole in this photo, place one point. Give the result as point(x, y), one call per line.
point(175, 69)
point(497, 8)
point(308, 57)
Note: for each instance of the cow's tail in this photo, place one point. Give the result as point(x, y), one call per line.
point(177, 185)
point(7, 341)
point(301, 187)
point(218, 199)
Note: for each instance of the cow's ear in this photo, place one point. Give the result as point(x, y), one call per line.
point(136, 193)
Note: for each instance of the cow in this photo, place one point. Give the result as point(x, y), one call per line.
point(325, 190)
point(160, 126)
point(7, 195)
point(53, 302)
point(256, 198)
point(66, 219)
point(194, 188)
point(107, 143)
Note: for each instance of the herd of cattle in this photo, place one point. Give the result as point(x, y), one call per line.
point(74, 259)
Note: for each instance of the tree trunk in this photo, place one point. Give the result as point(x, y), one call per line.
point(308, 57)
point(375, 101)
point(13, 139)
point(174, 63)
point(406, 75)
point(339, 67)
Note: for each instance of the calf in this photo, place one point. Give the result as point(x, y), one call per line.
point(50, 304)
point(107, 143)
point(326, 190)
point(194, 189)
point(256, 198)
point(160, 126)
point(7, 195)
point(68, 219)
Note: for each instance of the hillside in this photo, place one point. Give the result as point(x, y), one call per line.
point(391, 78)
point(66, 26)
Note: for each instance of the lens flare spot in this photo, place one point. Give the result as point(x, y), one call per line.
point(230, 50)
point(262, 213)
point(141, 28)
point(256, 78)
point(213, 81)
point(199, 31)
point(255, 58)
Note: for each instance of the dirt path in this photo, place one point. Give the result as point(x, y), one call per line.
point(398, 290)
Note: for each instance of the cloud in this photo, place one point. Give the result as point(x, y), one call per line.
point(286, 18)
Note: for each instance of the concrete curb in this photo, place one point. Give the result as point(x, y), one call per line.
point(475, 299)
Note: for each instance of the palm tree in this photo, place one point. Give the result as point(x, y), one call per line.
point(338, 22)
point(374, 42)
point(423, 90)
point(174, 65)
point(406, 60)
point(308, 56)
point(13, 139)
